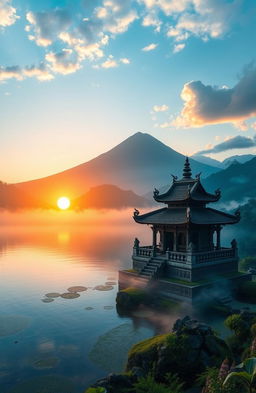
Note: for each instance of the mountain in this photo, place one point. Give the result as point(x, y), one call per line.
point(140, 163)
point(237, 182)
point(108, 196)
point(208, 161)
point(239, 158)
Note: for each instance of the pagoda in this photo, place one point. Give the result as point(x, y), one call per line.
point(186, 253)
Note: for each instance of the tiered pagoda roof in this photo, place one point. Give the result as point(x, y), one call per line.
point(186, 200)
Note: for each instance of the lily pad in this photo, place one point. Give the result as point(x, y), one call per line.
point(78, 288)
point(45, 363)
point(12, 324)
point(110, 283)
point(52, 294)
point(70, 295)
point(47, 300)
point(104, 287)
point(89, 308)
point(45, 384)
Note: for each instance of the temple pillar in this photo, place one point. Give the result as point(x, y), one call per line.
point(154, 241)
point(175, 240)
point(218, 244)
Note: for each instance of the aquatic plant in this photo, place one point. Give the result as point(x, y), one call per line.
point(70, 295)
point(52, 294)
point(104, 287)
point(78, 288)
point(245, 374)
point(47, 300)
point(89, 308)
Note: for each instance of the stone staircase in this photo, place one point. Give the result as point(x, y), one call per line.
point(152, 268)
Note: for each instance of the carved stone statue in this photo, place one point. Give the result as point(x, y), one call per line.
point(218, 192)
point(234, 243)
point(136, 243)
point(156, 192)
point(198, 175)
point(174, 178)
point(136, 212)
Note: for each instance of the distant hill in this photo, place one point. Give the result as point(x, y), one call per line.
point(109, 197)
point(12, 198)
point(237, 158)
point(237, 182)
point(208, 161)
point(140, 163)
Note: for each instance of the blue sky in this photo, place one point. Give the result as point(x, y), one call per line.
point(78, 77)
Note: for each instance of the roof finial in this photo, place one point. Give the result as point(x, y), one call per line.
point(186, 170)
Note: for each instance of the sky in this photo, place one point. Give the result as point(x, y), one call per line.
point(77, 77)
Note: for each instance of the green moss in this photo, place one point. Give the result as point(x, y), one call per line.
point(246, 263)
point(148, 345)
point(176, 281)
point(130, 271)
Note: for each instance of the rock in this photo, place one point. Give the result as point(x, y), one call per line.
point(187, 352)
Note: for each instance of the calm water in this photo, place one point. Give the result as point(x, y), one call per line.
point(63, 346)
point(40, 254)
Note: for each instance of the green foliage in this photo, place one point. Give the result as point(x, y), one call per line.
point(210, 378)
point(253, 330)
point(149, 385)
point(246, 263)
point(236, 323)
point(246, 375)
point(247, 291)
point(149, 345)
point(95, 390)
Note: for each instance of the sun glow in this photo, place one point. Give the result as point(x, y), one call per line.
point(63, 203)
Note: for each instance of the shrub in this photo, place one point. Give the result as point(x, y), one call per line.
point(236, 323)
point(95, 390)
point(149, 385)
point(246, 263)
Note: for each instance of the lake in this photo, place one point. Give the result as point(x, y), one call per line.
point(66, 344)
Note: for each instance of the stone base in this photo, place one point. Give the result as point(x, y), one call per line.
point(182, 291)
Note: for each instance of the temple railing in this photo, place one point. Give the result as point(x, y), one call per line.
point(211, 256)
point(189, 257)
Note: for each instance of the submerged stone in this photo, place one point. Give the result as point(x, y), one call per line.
point(43, 363)
point(45, 384)
point(78, 288)
point(70, 295)
point(12, 324)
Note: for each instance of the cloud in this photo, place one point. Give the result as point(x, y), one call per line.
point(124, 60)
point(15, 72)
point(160, 108)
point(149, 47)
point(214, 105)
point(109, 63)
point(45, 26)
point(237, 142)
point(8, 14)
point(63, 62)
point(178, 48)
point(41, 73)
point(205, 19)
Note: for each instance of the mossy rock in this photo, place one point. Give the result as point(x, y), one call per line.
point(130, 298)
point(185, 355)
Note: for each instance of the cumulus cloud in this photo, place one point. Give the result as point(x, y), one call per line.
point(237, 142)
point(160, 108)
point(214, 105)
point(149, 47)
point(8, 14)
point(45, 26)
point(109, 63)
point(64, 62)
point(124, 60)
point(205, 19)
point(40, 72)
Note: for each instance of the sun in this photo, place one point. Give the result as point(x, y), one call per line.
point(63, 203)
